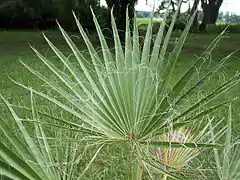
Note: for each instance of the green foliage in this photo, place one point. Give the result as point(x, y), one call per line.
point(143, 24)
point(143, 27)
point(218, 28)
point(82, 10)
point(27, 14)
point(42, 14)
point(38, 157)
point(234, 28)
point(228, 160)
point(179, 25)
point(125, 98)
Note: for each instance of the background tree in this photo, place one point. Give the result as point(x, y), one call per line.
point(42, 14)
point(210, 12)
point(229, 18)
point(193, 9)
point(81, 8)
point(119, 7)
point(173, 4)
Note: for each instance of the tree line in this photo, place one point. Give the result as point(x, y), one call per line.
point(42, 14)
point(208, 14)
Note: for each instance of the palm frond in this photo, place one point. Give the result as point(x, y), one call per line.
point(125, 96)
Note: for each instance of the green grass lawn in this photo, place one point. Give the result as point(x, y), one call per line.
point(14, 46)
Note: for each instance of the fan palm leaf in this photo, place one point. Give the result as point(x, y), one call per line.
point(125, 96)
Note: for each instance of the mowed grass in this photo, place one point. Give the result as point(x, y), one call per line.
point(14, 46)
point(144, 21)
